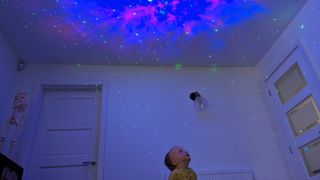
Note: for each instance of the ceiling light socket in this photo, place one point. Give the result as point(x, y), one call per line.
point(21, 65)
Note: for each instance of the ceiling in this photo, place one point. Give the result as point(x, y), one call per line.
point(145, 32)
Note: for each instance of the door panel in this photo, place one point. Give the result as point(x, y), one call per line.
point(290, 84)
point(65, 172)
point(304, 116)
point(311, 157)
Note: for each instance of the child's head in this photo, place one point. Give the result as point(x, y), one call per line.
point(177, 156)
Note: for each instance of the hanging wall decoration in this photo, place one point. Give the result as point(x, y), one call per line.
point(10, 131)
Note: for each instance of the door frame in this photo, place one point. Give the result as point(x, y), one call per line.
point(37, 101)
point(281, 134)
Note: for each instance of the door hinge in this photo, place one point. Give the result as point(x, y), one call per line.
point(269, 93)
point(290, 149)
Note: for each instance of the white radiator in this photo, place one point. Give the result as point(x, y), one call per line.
point(223, 175)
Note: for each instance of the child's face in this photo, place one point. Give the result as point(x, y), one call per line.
point(179, 155)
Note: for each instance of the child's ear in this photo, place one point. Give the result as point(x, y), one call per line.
point(174, 162)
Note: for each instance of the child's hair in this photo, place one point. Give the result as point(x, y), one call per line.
point(168, 162)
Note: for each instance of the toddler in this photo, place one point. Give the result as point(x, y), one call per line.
point(177, 160)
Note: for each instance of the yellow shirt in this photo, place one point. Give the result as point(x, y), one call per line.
point(183, 174)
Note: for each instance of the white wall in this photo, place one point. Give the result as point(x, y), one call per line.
point(8, 62)
point(149, 110)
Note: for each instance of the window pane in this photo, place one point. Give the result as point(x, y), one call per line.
point(290, 83)
point(310, 153)
point(304, 116)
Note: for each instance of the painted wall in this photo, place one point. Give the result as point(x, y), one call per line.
point(149, 110)
point(8, 62)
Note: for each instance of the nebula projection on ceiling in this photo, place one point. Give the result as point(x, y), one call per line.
point(142, 20)
point(160, 30)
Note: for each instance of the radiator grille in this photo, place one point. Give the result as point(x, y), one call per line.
point(223, 175)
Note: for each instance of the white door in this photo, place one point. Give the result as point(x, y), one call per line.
point(295, 92)
point(67, 143)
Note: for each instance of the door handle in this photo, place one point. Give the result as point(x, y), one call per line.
point(88, 163)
